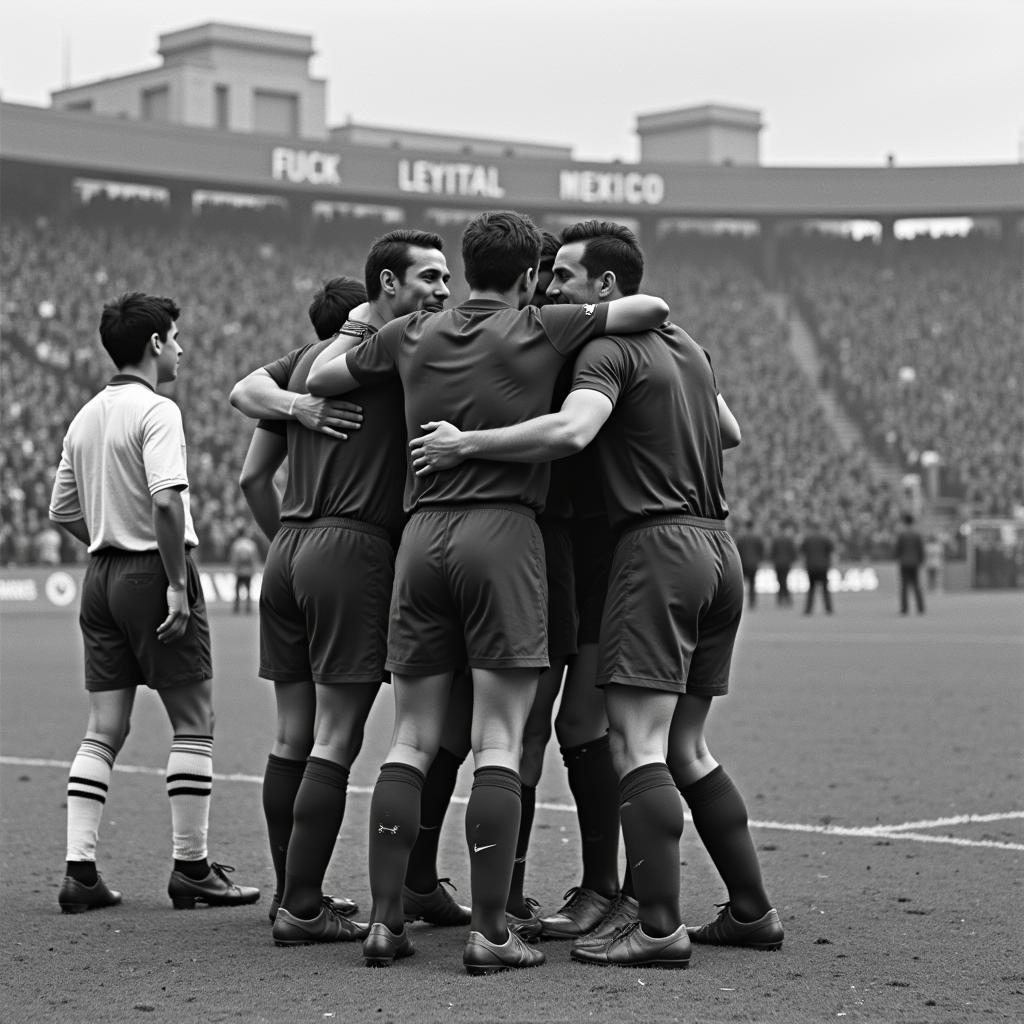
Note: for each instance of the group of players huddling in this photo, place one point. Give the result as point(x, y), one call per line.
point(525, 487)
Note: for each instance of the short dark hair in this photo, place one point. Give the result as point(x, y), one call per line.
point(333, 303)
point(128, 323)
point(549, 246)
point(391, 252)
point(497, 247)
point(609, 246)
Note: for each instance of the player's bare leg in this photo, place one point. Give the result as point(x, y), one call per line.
point(420, 703)
point(720, 818)
point(286, 763)
point(425, 895)
point(652, 823)
point(306, 916)
point(581, 726)
point(501, 704)
point(522, 912)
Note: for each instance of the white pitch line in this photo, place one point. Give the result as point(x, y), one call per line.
point(888, 638)
point(858, 832)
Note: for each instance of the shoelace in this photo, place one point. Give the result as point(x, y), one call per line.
point(223, 870)
point(448, 882)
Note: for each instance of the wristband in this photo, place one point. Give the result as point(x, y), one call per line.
point(291, 408)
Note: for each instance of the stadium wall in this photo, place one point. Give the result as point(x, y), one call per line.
point(315, 168)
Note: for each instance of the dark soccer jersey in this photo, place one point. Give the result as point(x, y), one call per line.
point(361, 478)
point(558, 504)
point(482, 364)
point(661, 449)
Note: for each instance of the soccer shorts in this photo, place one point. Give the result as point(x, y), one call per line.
point(324, 602)
point(470, 588)
point(675, 598)
point(593, 545)
point(124, 600)
point(562, 619)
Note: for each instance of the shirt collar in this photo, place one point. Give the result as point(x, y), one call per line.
point(129, 378)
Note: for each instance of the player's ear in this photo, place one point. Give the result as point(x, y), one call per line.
point(606, 288)
point(388, 282)
point(156, 343)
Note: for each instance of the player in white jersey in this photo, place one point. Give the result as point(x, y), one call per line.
point(122, 489)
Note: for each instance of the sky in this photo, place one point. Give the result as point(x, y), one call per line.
point(837, 82)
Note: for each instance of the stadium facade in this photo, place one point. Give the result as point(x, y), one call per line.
point(232, 117)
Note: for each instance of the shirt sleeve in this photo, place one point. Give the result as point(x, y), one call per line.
point(278, 427)
point(714, 379)
point(376, 359)
point(163, 448)
point(602, 366)
point(569, 327)
point(281, 370)
point(65, 503)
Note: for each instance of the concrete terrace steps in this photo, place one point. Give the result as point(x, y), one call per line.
point(804, 347)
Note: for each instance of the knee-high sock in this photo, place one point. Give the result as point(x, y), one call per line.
point(594, 784)
point(319, 810)
point(492, 828)
point(516, 900)
point(394, 824)
point(281, 781)
point(421, 875)
point(88, 782)
point(720, 818)
point(189, 783)
point(652, 822)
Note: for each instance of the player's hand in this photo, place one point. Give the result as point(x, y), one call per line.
point(332, 416)
point(178, 612)
point(440, 448)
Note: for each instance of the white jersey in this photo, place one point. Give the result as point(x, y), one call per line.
point(124, 445)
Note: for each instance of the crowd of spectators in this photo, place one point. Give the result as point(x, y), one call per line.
point(949, 311)
point(924, 347)
point(789, 468)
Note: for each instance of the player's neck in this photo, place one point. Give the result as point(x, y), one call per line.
point(145, 371)
point(511, 297)
point(376, 313)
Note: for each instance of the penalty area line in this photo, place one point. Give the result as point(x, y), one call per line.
point(910, 831)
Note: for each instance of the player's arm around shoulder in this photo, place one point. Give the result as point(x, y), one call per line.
point(633, 313)
point(541, 439)
point(330, 374)
point(259, 396)
point(169, 527)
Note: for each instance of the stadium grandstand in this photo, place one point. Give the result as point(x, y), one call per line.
point(870, 376)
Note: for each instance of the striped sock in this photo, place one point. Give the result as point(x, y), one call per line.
point(189, 782)
point(88, 782)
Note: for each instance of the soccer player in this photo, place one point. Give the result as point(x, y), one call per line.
point(470, 567)
point(121, 489)
point(323, 645)
point(674, 602)
point(578, 548)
